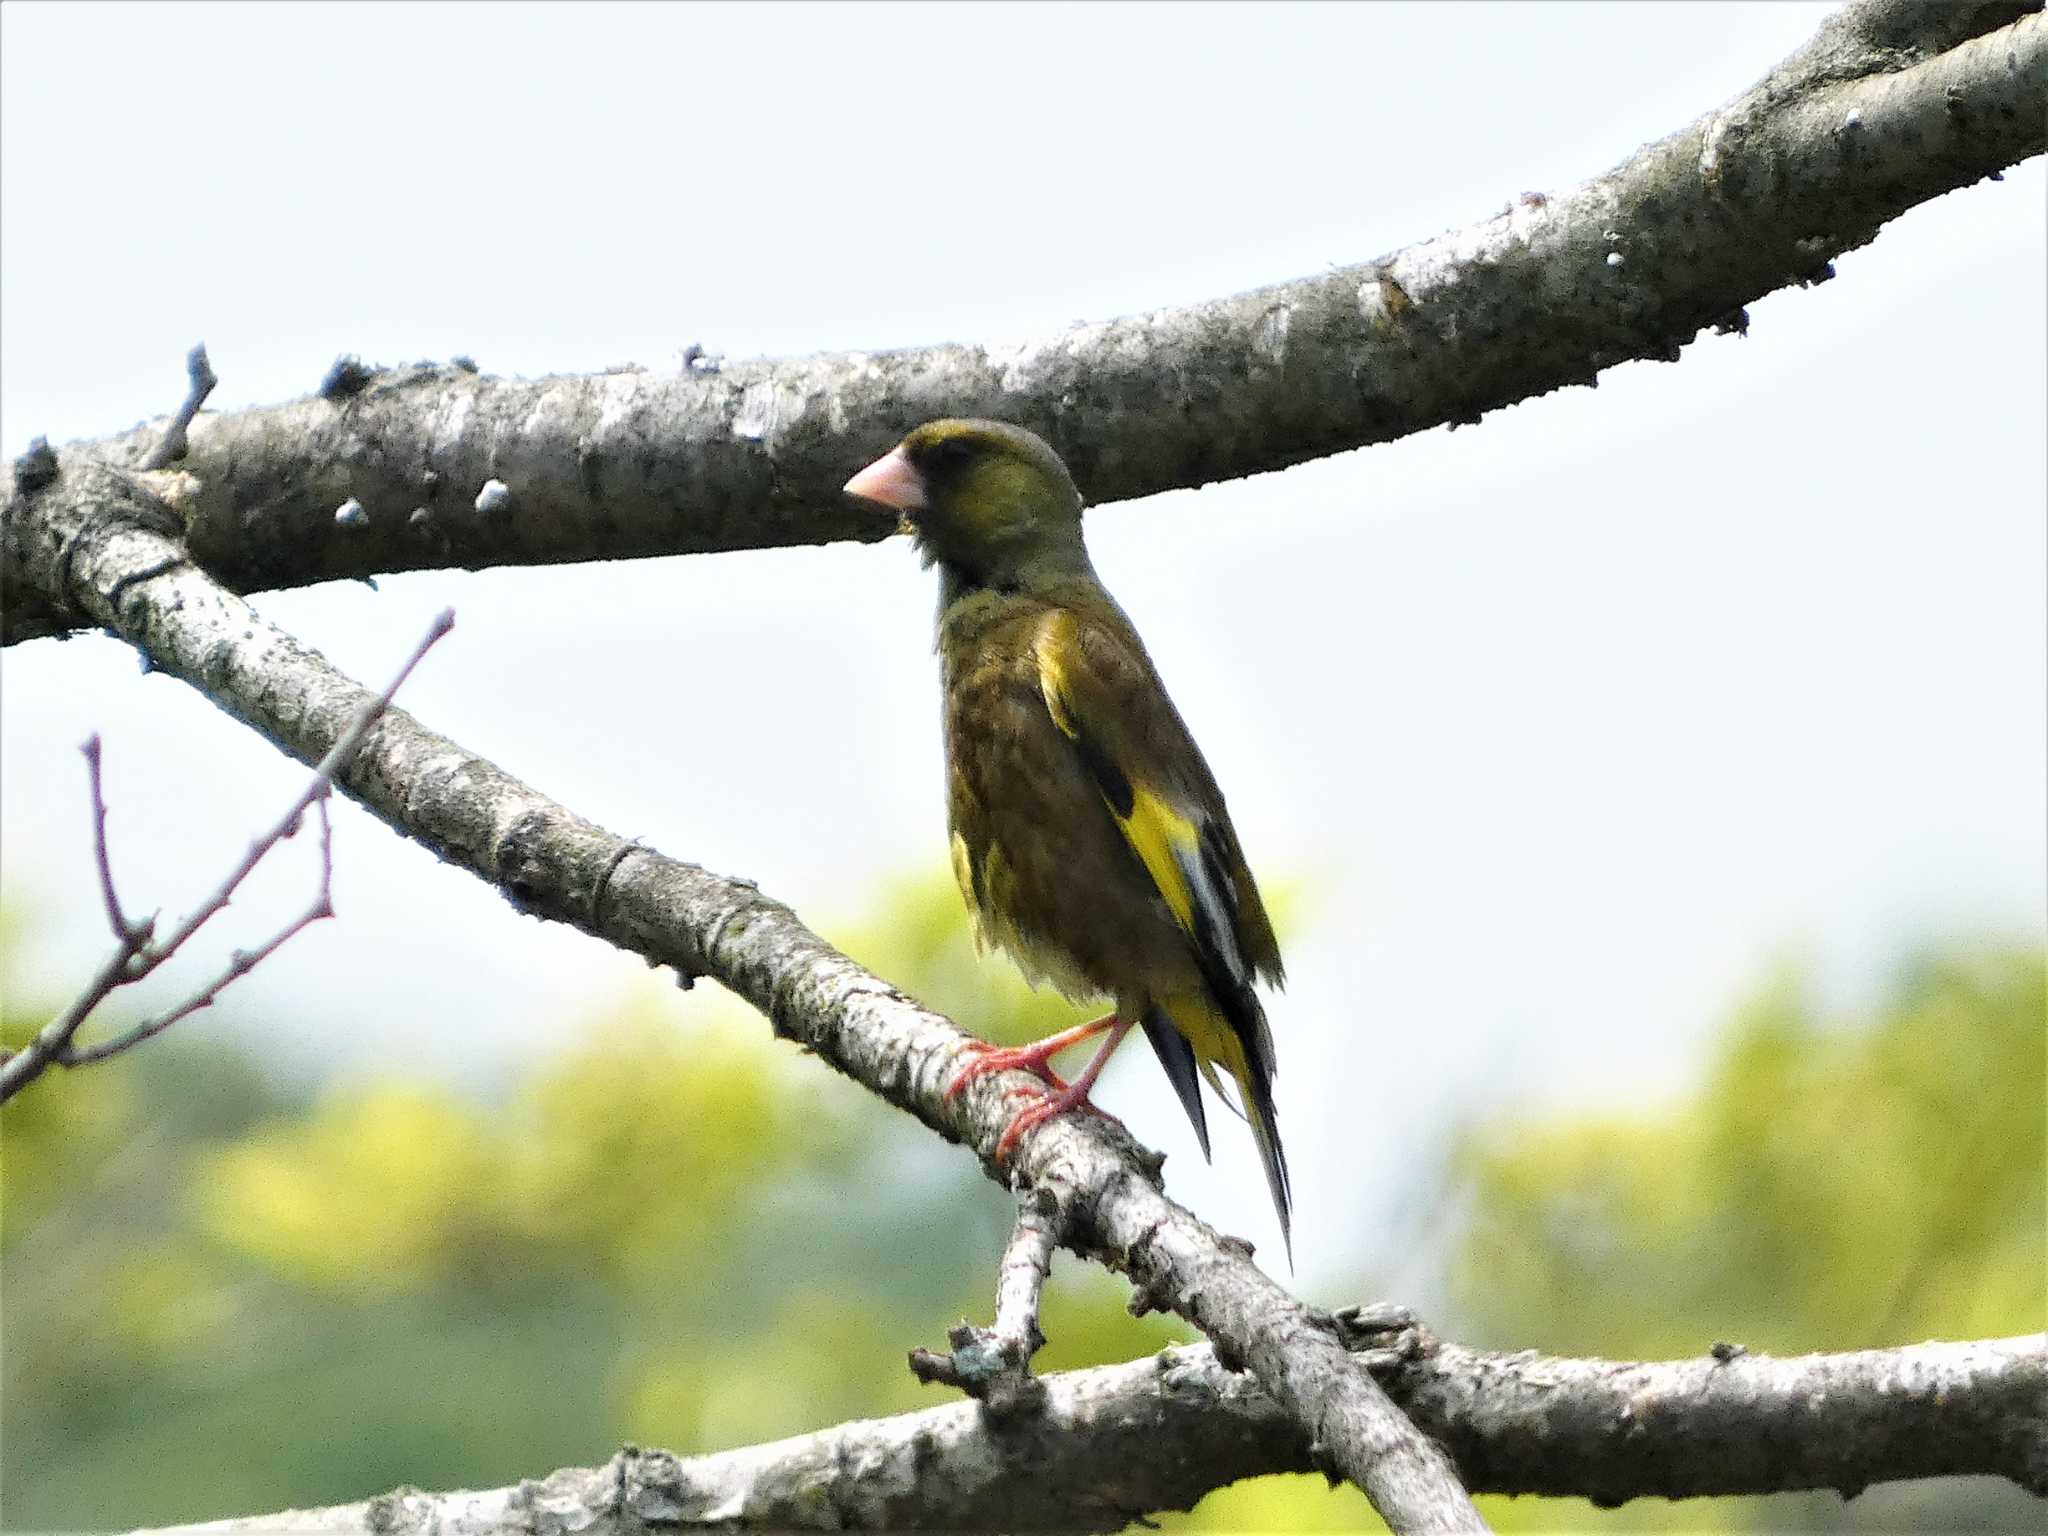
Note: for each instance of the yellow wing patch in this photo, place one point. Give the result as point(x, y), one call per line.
point(963, 872)
point(1153, 828)
point(1052, 675)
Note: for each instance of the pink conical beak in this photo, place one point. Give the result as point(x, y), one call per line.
point(891, 480)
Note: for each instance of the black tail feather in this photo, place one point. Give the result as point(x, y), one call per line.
point(1178, 1057)
point(1266, 1132)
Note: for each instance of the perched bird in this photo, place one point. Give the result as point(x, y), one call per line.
point(1089, 837)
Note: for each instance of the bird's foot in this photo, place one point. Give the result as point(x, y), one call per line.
point(983, 1058)
point(1067, 1098)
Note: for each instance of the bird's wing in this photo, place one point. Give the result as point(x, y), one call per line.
point(1103, 694)
point(1105, 697)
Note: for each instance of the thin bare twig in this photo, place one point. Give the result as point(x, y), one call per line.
point(240, 962)
point(124, 931)
point(137, 953)
point(200, 372)
point(994, 1363)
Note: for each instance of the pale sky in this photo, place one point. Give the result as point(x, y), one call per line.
point(1575, 722)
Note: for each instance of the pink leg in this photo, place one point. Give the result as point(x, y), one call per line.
point(1074, 1096)
point(983, 1058)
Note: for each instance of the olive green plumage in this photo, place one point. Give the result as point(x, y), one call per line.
point(1089, 837)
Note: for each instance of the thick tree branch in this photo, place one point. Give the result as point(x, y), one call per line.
point(1893, 103)
point(1120, 1441)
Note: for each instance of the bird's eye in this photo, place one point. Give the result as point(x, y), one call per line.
point(949, 453)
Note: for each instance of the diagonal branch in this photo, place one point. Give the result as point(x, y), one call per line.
point(554, 864)
point(1116, 1442)
point(1893, 103)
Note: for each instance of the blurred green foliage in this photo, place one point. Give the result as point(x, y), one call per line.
point(223, 1297)
point(1834, 1184)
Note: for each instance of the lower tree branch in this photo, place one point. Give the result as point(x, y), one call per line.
point(1737, 1423)
point(1118, 1441)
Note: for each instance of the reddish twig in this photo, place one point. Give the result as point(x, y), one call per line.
point(240, 961)
point(124, 930)
point(137, 952)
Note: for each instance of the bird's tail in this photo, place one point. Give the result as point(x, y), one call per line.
point(1257, 1089)
point(1182, 1070)
point(1244, 1054)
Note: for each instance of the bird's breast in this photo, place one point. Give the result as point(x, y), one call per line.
point(1040, 863)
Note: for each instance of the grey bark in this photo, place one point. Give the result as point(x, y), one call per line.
point(993, 1364)
point(1892, 103)
point(1114, 1442)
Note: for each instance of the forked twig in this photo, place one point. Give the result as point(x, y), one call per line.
point(137, 952)
point(240, 961)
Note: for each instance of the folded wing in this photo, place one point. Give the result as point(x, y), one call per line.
point(1104, 696)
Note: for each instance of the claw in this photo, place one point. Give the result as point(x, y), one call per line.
point(1026, 1120)
point(1049, 1107)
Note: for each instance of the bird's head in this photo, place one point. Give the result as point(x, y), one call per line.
point(989, 502)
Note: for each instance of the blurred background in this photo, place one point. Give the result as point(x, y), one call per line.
point(1650, 779)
